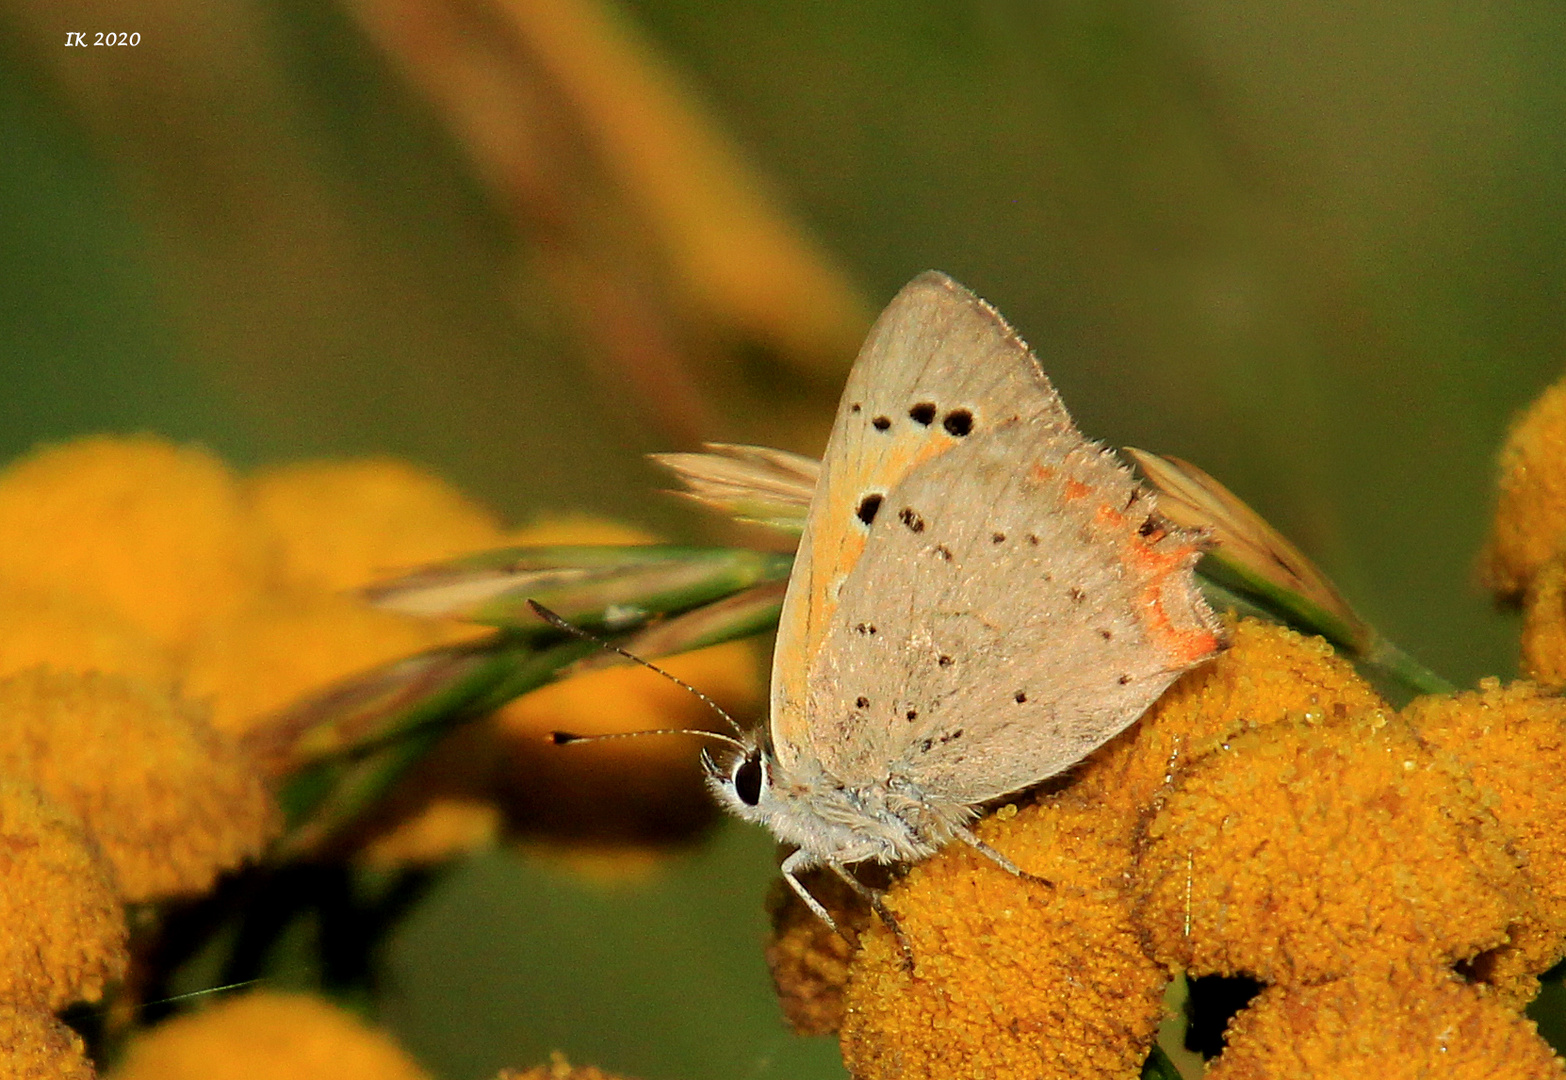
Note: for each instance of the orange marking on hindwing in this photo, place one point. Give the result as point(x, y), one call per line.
point(1042, 473)
point(1108, 515)
point(1187, 645)
point(1075, 489)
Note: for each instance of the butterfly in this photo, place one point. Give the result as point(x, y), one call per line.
point(981, 597)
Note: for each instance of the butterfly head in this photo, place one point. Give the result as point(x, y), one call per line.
point(741, 780)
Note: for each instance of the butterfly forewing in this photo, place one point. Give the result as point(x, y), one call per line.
point(1012, 601)
point(935, 352)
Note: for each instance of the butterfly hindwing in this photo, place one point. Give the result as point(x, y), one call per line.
point(1023, 604)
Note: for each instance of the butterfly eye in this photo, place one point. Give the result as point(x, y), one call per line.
point(747, 780)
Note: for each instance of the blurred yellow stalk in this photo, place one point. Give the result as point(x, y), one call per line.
point(664, 243)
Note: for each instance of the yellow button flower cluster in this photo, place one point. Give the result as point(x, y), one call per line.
point(1272, 817)
point(156, 610)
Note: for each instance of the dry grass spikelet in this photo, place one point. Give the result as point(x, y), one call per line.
point(1269, 672)
point(1414, 1025)
point(170, 802)
point(1530, 506)
point(267, 1036)
point(1014, 979)
point(1512, 741)
point(154, 532)
point(1309, 849)
point(36, 1046)
point(63, 936)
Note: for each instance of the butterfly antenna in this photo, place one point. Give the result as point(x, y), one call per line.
point(562, 737)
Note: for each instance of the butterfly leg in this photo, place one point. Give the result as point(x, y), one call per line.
point(878, 905)
point(998, 858)
point(793, 865)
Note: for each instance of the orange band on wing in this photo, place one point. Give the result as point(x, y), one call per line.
point(1188, 645)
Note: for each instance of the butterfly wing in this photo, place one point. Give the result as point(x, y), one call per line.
point(1014, 599)
point(933, 346)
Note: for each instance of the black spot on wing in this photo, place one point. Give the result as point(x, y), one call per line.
point(923, 413)
point(861, 702)
point(1020, 697)
point(944, 661)
point(909, 517)
point(958, 422)
point(881, 423)
point(868, 507)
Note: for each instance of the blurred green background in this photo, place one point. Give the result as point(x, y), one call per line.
point(1318, 250)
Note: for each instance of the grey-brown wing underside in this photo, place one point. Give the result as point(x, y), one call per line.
point(938, 362)
point(1018, 602)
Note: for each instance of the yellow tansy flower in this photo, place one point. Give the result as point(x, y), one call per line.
point(1512, 739)
point(1409, 1027)
point(1014, 980)
point(339, 525)
point(1268, 672)
point(1543, 650)
point(267, 1036)
point(271, 654)
point(64, 631)
point(1308, 849)
point(154, 532)
point(36, 1046)
point(809, 961)
point(1530, 510)
point(171, 802)
point(62, 933)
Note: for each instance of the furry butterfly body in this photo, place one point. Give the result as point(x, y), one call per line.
point(981, 597)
